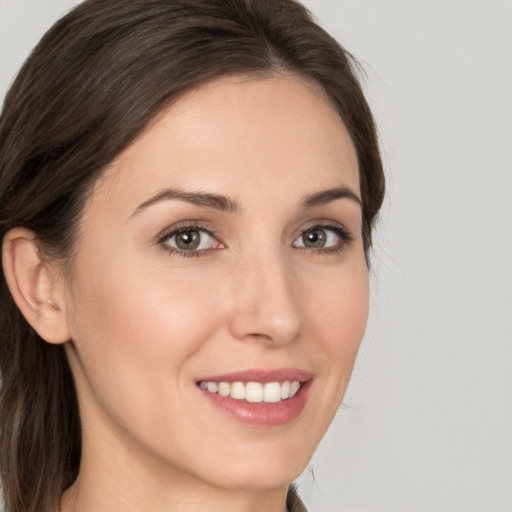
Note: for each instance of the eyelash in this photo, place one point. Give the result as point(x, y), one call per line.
point(343, 233)
point(183, 228)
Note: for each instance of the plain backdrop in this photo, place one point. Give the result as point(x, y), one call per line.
point(427, 420)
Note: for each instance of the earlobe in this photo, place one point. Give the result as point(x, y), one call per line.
point(32, 283)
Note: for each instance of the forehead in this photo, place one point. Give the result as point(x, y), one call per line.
point(238, 136)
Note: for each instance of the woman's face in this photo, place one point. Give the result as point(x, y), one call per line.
point(224, 245)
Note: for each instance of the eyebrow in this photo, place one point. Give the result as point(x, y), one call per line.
point(223, 203)
point(215, 201)
point(327, 196)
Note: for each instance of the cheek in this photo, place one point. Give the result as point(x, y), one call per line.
point(337, 317)
point(136, 330)
point(147, 312)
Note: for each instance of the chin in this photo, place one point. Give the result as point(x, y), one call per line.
point(259, 479)
point(261, 471)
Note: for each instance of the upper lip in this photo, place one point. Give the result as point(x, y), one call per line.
point(261, 375)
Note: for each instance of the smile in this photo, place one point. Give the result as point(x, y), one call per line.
point(253, 392)
point(259, 397)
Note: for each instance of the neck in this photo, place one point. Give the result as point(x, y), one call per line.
point(81, 497)
point(125, 481)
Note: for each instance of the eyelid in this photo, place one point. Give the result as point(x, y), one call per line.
point(344, 234)
point(326, 224)
point(184, 226)
point(189, 225)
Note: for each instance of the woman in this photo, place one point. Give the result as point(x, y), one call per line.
point(187, 196)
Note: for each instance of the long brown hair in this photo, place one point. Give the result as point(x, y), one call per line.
point(92, 84)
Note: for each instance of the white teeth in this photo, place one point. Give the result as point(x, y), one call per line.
point(212, 387)
point(254, 392)
point(238, 390)
point(224, 389)
point(294, 387)
point(272, 392)
point(285, 390)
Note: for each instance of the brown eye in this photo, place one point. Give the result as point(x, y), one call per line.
point(188, 240)
point(322, 237)
point(314, 238)
point(191, 240)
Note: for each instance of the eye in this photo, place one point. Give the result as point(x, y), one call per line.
point(190, 240)
point(323, 237)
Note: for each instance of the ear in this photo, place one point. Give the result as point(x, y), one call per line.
point(35, 286)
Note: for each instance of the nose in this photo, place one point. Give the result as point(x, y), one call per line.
point(265, 301)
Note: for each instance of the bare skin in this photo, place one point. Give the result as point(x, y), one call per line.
point(145, 318)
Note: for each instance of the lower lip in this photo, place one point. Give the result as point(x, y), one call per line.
point(263, 414)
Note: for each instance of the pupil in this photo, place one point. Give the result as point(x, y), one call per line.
point(314, 238)
point(188, 240)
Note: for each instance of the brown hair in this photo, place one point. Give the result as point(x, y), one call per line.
point(92, 84)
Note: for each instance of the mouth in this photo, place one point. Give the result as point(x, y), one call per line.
point(253, 392)
point(256, 397)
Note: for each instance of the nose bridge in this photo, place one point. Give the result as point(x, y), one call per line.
point(266, 303)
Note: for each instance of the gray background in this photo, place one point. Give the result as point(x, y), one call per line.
point(427, 424)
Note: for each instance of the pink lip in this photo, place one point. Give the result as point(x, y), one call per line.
point(256, 375)
point(262, 414)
